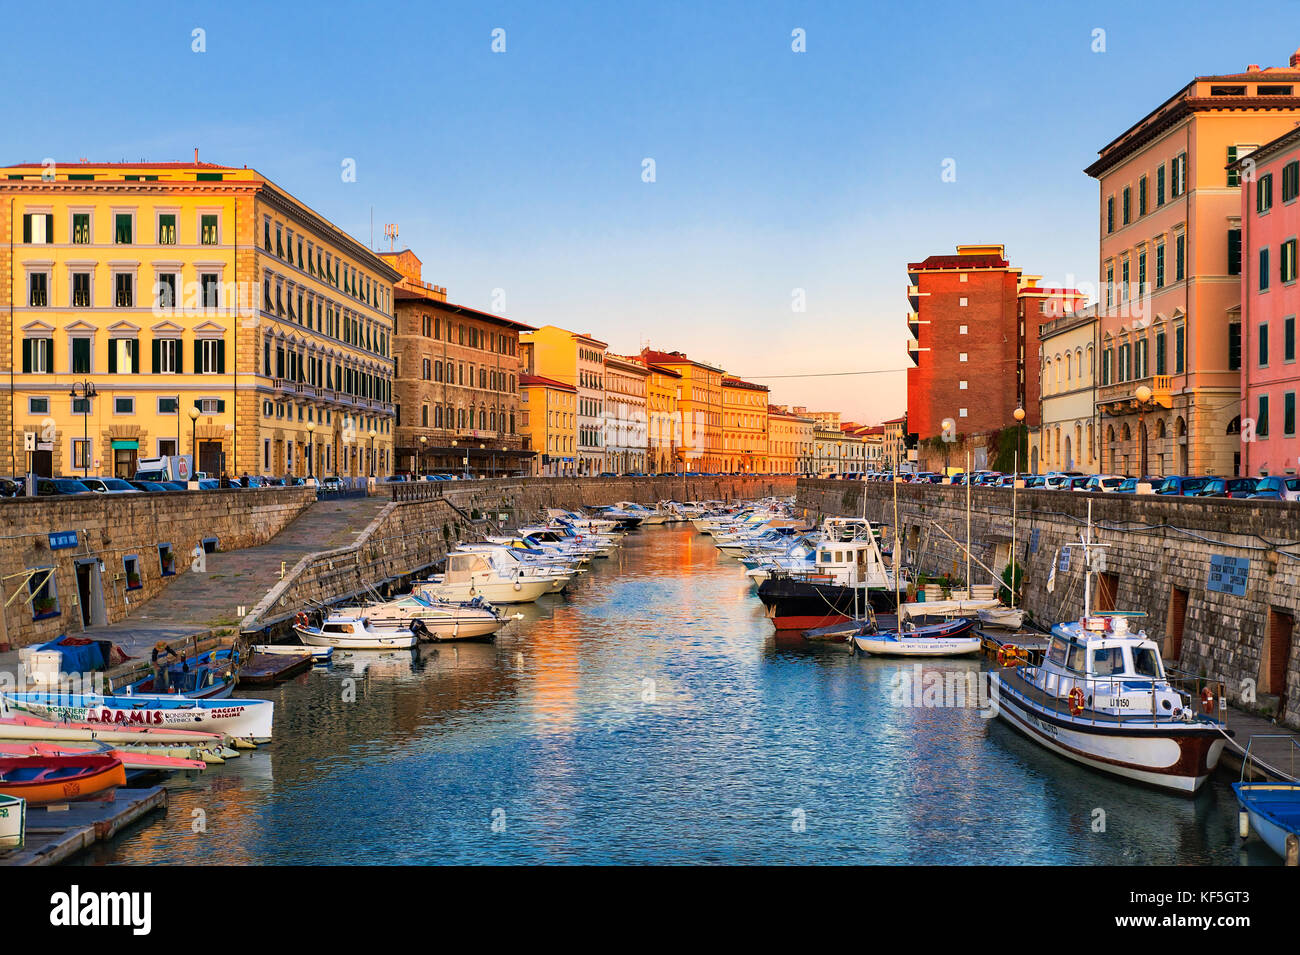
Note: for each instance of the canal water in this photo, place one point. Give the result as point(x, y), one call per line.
point(649, 716)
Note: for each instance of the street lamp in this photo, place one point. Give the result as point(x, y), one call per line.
point(194, 423)
point(949, 427)
point(419, 460)
point(481, 447)
point(840, 446)
point(1019, 415)
point(311, 449)
point(373, 432)
point(87, 389)
point(1143, 396)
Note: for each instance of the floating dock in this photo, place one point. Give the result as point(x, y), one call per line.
point(57, 833)
point(267, 669)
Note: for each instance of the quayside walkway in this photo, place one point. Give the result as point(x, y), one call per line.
point(200, 601)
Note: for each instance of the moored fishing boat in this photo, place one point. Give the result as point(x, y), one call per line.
point(46, 779)
point(318, 654)
point(1102, 698)
point(16, 725)
point(242, 719)
point(1004, 618)
point(205, 676)
point(848, 579)
point(13, 821)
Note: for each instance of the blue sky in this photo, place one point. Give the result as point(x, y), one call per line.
point(775, 170)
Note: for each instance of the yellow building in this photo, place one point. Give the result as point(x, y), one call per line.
point(894, 449)
point(790, 441)
point(578, 360)
point(1067, 389)
point(165, 287)
point(744, 426)
point(549, 412)
point(699, 410)
point(663, 387)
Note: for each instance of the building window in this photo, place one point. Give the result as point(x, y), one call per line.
point(169, 405)
point(1288, 339)
point(1110, 214)
point(80, 289)
point(1263, 270)
point(167, 228)
point(1142, 196)
point(1288, 264)
point(1264, 194)
point(1160, 353)
point(166, 356)
point(1128, 204)
point(1178, 175)
point(1234, 346)
point(38, 228)
point(1160, 265)
point(961, 356)
point(45, 597)
point(1263, 345)
point(38, 355)
point(80, 356)
point(210, 356)
point(1288, 414)
point(122, 356)
point(963, 301)
point(1160, 186)
point(1180, 336)
point(208, 229)
point(165, 290)
point(123, 406)
point(1261, 419)
point(123, 289)
point(81, 454)
point(961, 412)
point(38, 295)
point(961, 385)
point(210, 289)
point(123, 228)
point(1180, 257)
point(1234, 251)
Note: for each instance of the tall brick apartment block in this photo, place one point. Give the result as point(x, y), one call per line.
point(974, 325)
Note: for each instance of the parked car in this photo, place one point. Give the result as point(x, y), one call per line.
point(332, 483)
point(209, 484)
point(1079, 483)
point(1228, 487)
point(150, 486)
point(12, 487)
point(989, 479)
point(1183, 485)
point(1104, 482)
point(60, 485)
point(1275, 487)
point(109, 485)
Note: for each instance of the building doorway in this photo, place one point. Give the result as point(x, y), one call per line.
point(90, 593)
point(1107, 592)
point(1277, 651)
point(211, 459)
point(124, 462)
point(1174, 623)
point(43, 462)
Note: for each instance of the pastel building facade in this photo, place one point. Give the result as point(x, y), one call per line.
point(626, 414)
point(1066, 439)
point(1170, 267)
point(1270, 304)
point(745, 426)
point(549, 416)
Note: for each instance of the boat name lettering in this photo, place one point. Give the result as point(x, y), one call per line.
point(124, 716)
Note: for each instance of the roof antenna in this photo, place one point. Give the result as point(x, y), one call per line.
point(196, 155)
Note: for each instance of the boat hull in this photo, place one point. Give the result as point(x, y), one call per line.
point(524, 591)
point(242, 719)
point(81, 776)
point(1166, 756)
point(793, 604)
point(13, 821)
point(393, 640)
point(1274, 811)
point(890, 645)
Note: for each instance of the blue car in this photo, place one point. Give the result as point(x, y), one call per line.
point(1183, 485)
point(1278, 488)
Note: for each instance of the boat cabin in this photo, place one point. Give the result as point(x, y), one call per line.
point(850, 563)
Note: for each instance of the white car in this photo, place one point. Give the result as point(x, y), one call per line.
point(1103, 482)
point(109, 485)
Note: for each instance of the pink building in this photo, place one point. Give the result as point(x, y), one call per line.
point(1270, 302)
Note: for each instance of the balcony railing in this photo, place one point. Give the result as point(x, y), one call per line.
point(1121, 397)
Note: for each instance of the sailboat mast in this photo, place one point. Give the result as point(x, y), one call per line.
point(898, 609)
point(1087, 567)
point(1014, 476)
point(968, 590)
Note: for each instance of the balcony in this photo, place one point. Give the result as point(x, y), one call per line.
point(914, 324)
point(914, 350)
point(1121, 398)
point(914, 296)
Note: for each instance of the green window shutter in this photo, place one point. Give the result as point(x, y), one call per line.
point(112, 356)
point(27, 356)
point(156, 346)
point(198, 356)
point(180, 356)
point(27, 229)
point(221, 406)
point(49, 355)
point(49, 228)
point(221, 357)
point(1234, 175)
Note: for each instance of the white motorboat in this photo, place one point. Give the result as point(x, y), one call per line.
point(1102, 698)
point(354, 633)
point(13, 821)
point(469, 575)
point(950, 638)
point(318, 654)
point(429, 619)
point(239, 718)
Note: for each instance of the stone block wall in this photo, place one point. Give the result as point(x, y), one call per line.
point(107, 529)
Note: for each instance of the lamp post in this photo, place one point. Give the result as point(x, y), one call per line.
point(373, 433)
point(1015, 482)
point(949, 427)
point(840, 451)
point(481, 447)
point(194, 424)
point(1143, 396)
point(419, 460)
point(311, 450)
point(87, 391)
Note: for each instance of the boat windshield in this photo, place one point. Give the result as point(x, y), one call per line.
point(1146, 662)
point(1107, 661)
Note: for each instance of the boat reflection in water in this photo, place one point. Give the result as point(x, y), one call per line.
point(650, 716)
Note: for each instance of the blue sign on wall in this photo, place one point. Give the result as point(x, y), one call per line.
point(62, 540)
point(1228, 574)
point(1033, 541)
point(1063, 562)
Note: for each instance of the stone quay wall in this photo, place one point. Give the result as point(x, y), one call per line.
point(1159, 561)
point(111, 541)
point(427, 519)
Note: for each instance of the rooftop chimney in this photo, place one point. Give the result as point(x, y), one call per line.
point(196, 155)
point(1295, 59)
point(1253, 68)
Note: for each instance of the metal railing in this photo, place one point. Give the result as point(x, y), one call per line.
point(1249, 760)
point(1192, 689)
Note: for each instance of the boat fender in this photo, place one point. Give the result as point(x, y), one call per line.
point(1207, 700)
point(1076, 701)
point(518, 585)
point(1243, 823)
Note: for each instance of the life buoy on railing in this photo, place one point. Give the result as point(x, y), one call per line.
point(1008, 654)
point(301, 620)
point(1076, 701)
point(1207, 700)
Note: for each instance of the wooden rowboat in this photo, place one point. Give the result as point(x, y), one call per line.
point(45, 779)
point(13, 821)
point(131, 759)
point(15, 725)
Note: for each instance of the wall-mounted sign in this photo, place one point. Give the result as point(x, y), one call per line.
point(62, 540)
point(1033, 541)
point(1228, 574)
point(1063, 562)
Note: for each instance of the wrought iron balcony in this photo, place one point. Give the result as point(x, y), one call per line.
point(1122, 397)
